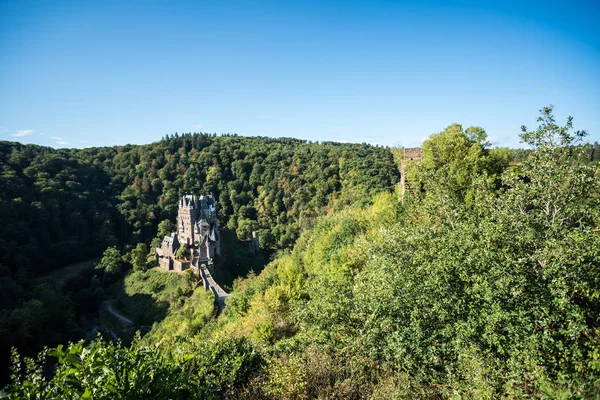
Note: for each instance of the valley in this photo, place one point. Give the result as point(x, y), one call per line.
point(456, 275)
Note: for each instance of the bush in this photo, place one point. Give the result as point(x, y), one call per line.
point(183, 253)
point(105, 370)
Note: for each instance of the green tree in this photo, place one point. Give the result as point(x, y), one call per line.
point(245, 228)
point(452, 158)
point(183, 253)
point(165, 228)
point(110, 264)
point(266, 238)
point(553, 188)
point(139, 257)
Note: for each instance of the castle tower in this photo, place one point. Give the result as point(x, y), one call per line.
point(186, 218)
point(409, 155)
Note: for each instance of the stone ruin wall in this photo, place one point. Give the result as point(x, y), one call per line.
point(410, 154)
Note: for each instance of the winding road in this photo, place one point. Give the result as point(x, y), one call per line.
point(121, 317)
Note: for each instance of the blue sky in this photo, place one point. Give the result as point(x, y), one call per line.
point(75, 74)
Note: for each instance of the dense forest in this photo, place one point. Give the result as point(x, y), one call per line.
point(60, 206)
point(483, 281)
point(64, 206)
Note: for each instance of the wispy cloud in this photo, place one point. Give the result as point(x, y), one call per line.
point(84, 141)
point(344, 141)
point(23, 133)
point(495, 140)
point(197, 126)
point(60, 141)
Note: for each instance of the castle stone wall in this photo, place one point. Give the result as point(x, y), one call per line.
point(180, 265)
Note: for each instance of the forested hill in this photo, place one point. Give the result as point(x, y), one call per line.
point(62, 206)
point(58, 206)
point(482, 282)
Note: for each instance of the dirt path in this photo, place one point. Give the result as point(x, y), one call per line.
point(121, 317)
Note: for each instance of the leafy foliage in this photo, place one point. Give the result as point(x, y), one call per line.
point(104, 370)
point(452, 158)
point(183, 253)
point(110, 264)
point(490, 295)
point(139, 257)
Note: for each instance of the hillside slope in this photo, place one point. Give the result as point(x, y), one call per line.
point(495, 294)
point(486, 295)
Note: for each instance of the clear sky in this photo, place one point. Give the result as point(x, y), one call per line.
point(83, 73)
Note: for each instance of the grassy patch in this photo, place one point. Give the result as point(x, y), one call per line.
point(147, 297)
point(193, 314)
